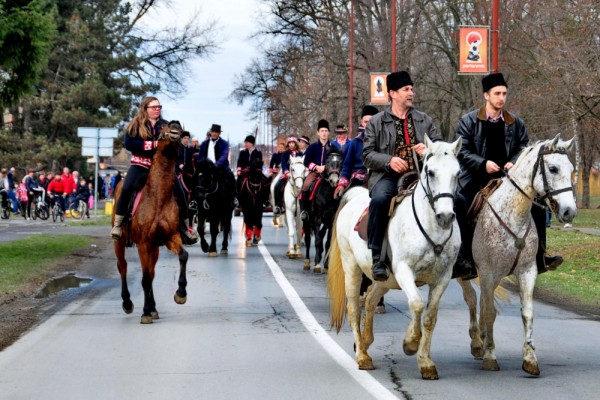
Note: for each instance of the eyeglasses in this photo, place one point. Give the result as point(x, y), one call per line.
point(155, 107)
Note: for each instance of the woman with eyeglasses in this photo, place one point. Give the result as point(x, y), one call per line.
point(142, 140)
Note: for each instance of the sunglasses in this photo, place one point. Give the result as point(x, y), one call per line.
point(155, 107)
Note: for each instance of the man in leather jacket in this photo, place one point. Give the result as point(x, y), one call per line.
point(389, 139)
point(492, 139)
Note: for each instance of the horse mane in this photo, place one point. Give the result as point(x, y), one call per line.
point(528, 150)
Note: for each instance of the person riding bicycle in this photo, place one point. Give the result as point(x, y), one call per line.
point(291, 151)
point(56, 192)
point(141, 140)
point(3, 196)
point(83, 193)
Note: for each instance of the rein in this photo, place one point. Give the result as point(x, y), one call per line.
point(295, 190)
point(437, 248)
point(205, 195)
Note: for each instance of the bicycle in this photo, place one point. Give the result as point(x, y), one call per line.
point(6, 211)
point(57, 212)
point(40, 208)
point(78, 209)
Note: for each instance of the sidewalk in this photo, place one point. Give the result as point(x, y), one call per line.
point(589, 231)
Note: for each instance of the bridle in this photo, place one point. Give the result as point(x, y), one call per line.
point(333, 167)
point(295, 190)
point(205, 193)
point(437, 247)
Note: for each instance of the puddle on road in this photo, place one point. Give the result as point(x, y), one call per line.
point(56, 285)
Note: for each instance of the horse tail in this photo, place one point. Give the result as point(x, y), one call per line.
point(336, 284)
point(500, 293)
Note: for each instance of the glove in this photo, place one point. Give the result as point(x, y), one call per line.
point(339, 191)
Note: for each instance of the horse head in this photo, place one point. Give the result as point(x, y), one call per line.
point(206, 179)
point(439, 178)
point(171, 131)
point(297, 171)
point(333, 167)
point(551, 172)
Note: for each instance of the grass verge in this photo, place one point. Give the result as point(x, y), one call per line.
point(101, 220)
point(24, 260)
point(587, 218)
point(578, 278)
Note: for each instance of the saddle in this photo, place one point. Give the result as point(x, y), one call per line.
point(313, 188)
point(479, 200)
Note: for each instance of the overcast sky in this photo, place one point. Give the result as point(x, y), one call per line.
point(211, 80)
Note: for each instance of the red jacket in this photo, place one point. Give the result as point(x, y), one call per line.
point(68, 183)
point(57, 187)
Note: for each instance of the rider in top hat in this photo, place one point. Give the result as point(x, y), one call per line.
point(492, 140)
point(216, 149)
point(389, 138)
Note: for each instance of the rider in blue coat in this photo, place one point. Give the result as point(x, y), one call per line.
point(291, 151)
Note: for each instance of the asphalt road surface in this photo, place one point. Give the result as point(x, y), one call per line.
point(256, 326)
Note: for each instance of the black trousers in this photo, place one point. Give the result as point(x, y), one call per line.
point(278, 192)
point(381, 198)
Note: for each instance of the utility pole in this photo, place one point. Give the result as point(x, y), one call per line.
point(393, 22)
point(351, 85)
point(495, 17)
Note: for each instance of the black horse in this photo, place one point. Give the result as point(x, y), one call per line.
point(214, 202)
point(253, 192)
point(322, 209)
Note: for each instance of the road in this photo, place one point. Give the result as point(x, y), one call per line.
point(256, 326)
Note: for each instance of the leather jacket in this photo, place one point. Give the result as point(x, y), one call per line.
point(472, 152)
point(380, 141)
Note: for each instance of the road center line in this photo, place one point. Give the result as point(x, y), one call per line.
point(311, 324)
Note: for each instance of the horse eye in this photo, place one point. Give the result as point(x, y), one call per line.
point(553, 169)
point(430, 174)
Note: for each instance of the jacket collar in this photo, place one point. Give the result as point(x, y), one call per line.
point(508, 118)
point(387, 115)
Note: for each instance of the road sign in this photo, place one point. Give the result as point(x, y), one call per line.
point(93, 142)
point(97, 132)
point(102, 151)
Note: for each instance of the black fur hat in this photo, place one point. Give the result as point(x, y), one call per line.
point(492, 80)
point(368, 110)
point(323, 124)
point(250, 139)
point(397, 80)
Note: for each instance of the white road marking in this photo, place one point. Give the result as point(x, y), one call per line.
point(311, 324)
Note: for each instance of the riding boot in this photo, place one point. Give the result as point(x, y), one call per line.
point(380, 270)
point(544, 263)
point(248, 237)
point(257, 236)
point(464, 268)
point(188, 235)
point(117, 231)
point(303, 206)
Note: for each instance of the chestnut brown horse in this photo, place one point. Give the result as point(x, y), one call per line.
point(154, 224)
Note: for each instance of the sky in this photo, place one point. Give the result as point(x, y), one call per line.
point(211, 79)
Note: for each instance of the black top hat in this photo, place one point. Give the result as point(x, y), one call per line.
point(216, 128)
point(250, 139)
point(492, 80)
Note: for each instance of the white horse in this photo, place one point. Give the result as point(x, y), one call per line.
point(292, 190)
point(278, 220)
point(424, 240)
point(506, 241)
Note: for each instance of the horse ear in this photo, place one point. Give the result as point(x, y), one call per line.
point(457, 145)
point(566, 145)
point(428, 142)
point(554, 143)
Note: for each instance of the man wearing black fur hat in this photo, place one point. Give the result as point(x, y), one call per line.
point(390, 136)
point(315, 158)
point(245, 159)
point(492, 139)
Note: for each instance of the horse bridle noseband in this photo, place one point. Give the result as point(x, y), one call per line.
point(295, 191)
point(208, 193)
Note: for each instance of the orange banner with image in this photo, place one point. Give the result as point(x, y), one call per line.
point(474, 45)
point(379, 93)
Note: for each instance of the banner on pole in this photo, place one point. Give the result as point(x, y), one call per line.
point(474, 49)
point(379, 93)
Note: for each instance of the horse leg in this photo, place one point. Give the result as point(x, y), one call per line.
point(202, 232)
point(319, 235)
point(226, 229)
point(307, 231)
point(526, 285)
point(122, 266)
point(214, 231)
point(470, 298)
point(291, 253)
point(176, 247)
point(373, 297)
point(405, 278)
point(487, 317)
point(426, 364)
point(352, 283)
point(148, 257)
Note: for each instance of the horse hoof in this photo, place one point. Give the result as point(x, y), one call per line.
point(429, 373)
point(477, 352)
point(317, 270)
point(179, 300)
point(224, 251)
point(531, 368)
point(249, 243)
point(154, 315)
point(410, 349)
point(366, 365)
point(491, 365)
point(212, 254)
point(128, 308)
point(146, 319)
point(204, 247)
point(306, 265)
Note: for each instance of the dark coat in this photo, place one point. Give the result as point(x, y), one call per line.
point(316, 154)
point(246, 158)
point(221, 153)
point(142, 150)
point(380, 140)
point(285, 159)
point(353, 158)
point(471, 155)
